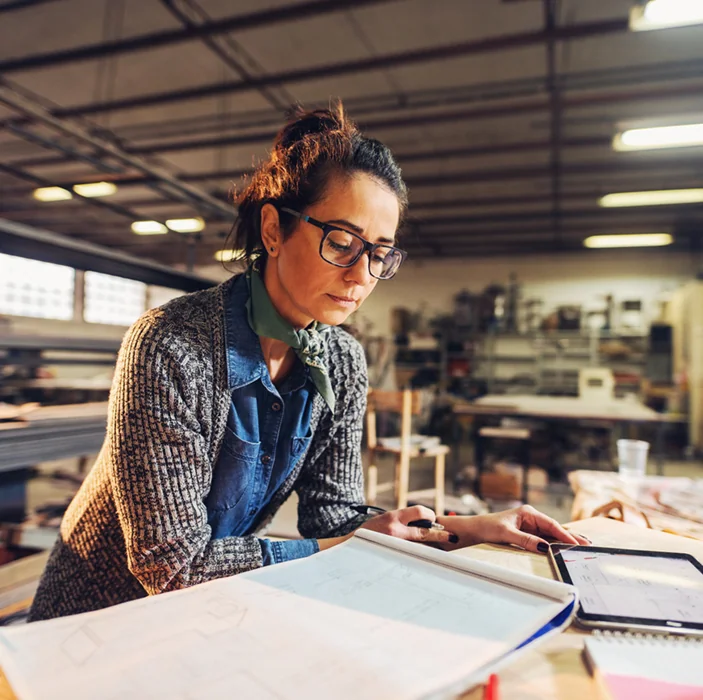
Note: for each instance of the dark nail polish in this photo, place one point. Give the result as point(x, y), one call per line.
point(453, 538)
point(543, 547)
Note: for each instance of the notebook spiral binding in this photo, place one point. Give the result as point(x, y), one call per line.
point(655, 639)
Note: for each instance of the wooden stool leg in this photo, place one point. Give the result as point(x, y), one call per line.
point(479, 449)
point(525, 470)
point(372, 484)
point(403, 466)
point(439, 485)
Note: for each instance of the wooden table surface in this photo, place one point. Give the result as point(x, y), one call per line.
point(555, 670)
point(561, 407)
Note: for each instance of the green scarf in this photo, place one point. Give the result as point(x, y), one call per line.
point(309, 343)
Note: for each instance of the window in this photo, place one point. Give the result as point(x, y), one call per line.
point(113, 300)
point(34, 288)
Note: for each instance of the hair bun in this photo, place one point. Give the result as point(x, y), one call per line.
point(317, 122)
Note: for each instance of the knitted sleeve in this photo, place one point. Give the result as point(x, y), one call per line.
point(334, 479)
point(159, 464)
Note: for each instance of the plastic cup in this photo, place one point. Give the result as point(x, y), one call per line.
point(632, 458)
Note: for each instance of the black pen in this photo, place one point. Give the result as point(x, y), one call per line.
point(368, 510)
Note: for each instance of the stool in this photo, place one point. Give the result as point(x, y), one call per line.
point(520, 435)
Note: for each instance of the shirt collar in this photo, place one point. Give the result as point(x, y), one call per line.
point(245, 360)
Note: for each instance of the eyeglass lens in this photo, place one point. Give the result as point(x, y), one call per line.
point(343, 249)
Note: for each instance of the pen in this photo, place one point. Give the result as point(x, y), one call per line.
point(426, 523)
point(368, 510)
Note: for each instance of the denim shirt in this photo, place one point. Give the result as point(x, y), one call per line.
point(268, 431)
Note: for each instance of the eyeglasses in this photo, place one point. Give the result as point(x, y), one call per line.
point(343, 248)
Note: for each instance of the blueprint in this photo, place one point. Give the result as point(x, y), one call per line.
point(360, 620)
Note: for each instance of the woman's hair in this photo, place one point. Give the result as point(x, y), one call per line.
point(311, 149)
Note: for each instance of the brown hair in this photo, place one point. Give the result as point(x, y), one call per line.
point(313, 147)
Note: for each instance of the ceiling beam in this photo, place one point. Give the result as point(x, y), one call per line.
point(226, 50)
point(171, 37)
point(15, 5)
point(544, 215)
point(162, 180)
point(531, 106)
point(530, 171)
point(624, 76)
point(551, 15)
point(49, 246)
point(355, 67)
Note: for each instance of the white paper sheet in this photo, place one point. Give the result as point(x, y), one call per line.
point(356, 621)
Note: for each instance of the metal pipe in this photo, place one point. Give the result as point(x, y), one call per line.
point(225, 52)
point(97, 203)
point(14, 5)
point(403, 58)
point(529, 171)
point(490, 112)
point(403, 158)
point(70, 153)
point(551, 9)
point(464, 115)
point(634, 225)
point(164, 179)
point(442, 97)
point(144, 42)
point(573, 214)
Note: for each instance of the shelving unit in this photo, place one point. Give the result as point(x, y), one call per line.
point(30, 352)
point(542, 363)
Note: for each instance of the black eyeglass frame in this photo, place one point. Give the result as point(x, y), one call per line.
point(367, 246)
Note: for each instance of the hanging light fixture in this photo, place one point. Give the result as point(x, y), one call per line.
point(663, 14)
point(95, 189)
point(651, 198)
point(650, 138)
point(149, 228)
point(52, 194)
point(629, 240)
point(186, 225)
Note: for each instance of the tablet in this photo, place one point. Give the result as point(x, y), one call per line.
point(633, 589)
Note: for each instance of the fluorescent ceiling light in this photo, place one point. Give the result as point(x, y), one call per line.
point(148, 228)
point(95, 189)
point(660, 14)
point(186, 225)
point(629, 240)
point(681, 136)
point(652, 198)
point(227, 255)
point(52, 194)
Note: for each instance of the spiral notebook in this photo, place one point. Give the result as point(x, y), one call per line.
point(646, 667)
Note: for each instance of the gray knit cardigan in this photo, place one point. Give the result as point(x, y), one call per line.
point(138, 525)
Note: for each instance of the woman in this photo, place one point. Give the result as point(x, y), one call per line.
point(226, 400)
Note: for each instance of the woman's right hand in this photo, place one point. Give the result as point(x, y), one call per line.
point(395, 523)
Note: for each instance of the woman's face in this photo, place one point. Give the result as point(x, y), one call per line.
point(303, 287)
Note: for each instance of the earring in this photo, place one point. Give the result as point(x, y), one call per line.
point(272, 249)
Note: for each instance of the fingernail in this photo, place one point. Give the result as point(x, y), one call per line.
point(453, 538)
point(542, 547)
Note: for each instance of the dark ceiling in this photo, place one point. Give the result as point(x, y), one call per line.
point(501, 113)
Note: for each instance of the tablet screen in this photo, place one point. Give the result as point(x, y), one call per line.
point(641, 586)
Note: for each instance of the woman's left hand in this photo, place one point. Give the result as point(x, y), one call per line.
point(523, 526)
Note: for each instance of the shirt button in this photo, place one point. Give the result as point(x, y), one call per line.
point(276, 406)
point(266, 459)
point(252, 511)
